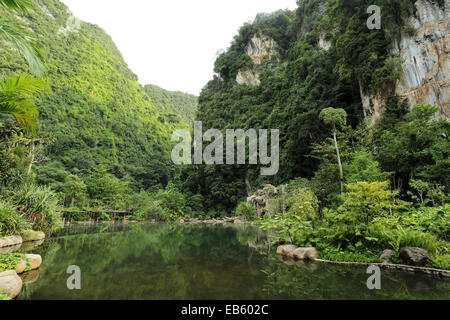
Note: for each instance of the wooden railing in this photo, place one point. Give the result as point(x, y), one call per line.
point(94, 214)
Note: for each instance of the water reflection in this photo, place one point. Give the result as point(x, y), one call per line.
point(200, 262)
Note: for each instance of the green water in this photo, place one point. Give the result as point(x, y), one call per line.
point(200, 262)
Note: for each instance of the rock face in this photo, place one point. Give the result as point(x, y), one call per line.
point(10, 283)
point(10, 241)
point(414, 256)
point(426, 70)
point(386, 256)
point(258, 48)
point(261, 199)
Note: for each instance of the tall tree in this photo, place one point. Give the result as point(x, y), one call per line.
point(335, 118)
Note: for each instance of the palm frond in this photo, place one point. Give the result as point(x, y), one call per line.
point(17, 5)
point(21, 39)
point(16, 94)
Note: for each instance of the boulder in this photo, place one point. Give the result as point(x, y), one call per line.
point(414, 256)
point(10, 241)
point(305, 253)
point(30, 245)
point(21, 266)
point(30, 277)
point(31, 262)
point(286, 250)
point(386, 256)
point(10, 249)
point(10, 284)
point(31, 235)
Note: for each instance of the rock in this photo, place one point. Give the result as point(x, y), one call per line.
point(286, 250)
point(31, 261)
point(424, 76)
point(414, 256)
point(258, 48)
point(30, 245)
point(31, 235)
point(21, 266)
point(10, 283)
point(386, 256)
point(305, 253)
point(10, 241)
point(306, 264)
point(30, 277)
point(237, 221)
point(10, 249)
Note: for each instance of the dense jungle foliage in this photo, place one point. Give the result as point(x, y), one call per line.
point(103, 141)
point(101, 137)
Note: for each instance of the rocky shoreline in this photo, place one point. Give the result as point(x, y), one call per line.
point(291, 254)
point(26, 269)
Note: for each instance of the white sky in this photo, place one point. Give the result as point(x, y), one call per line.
point(172, 43)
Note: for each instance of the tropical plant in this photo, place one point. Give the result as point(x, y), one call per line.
point(335, 118)
point(16, 95)
point(39, 205)
point(19, 37)
point(12, 222)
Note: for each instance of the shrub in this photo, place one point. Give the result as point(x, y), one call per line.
point(426, 219)
point(246, 210)
point(366, 201)
point(12, 222)
point(39, 205)
point(152, 210)
point(405, 237)
point(9, 261)
point(441, 262)
point(303, 203)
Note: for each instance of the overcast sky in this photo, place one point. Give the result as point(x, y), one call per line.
point(172, 43)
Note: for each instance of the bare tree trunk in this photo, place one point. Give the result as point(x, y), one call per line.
point(341, 172)
point(30, 166)
point(247, 184)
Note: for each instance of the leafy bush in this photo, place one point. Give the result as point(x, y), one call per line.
point(12, 222)
point(441, 262)
point(39, 205)
point(152, 210)
point(365, 200)
point(246, 210)
point(435, 220)
point(9, 261)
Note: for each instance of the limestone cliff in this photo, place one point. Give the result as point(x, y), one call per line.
point(426, 68)
point(259, 48)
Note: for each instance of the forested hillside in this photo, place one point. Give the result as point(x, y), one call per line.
point(93, 111)
point(177, 106)
point(282, 70)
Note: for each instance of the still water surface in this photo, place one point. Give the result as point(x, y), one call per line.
point(154, 261)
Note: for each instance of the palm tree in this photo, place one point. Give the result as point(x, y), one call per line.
point(19, 37)
point(16, 95)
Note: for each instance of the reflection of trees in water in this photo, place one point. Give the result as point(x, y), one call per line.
point(198, 262)
point(300, 280)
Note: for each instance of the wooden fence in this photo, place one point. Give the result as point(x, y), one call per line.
point(68, 215)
